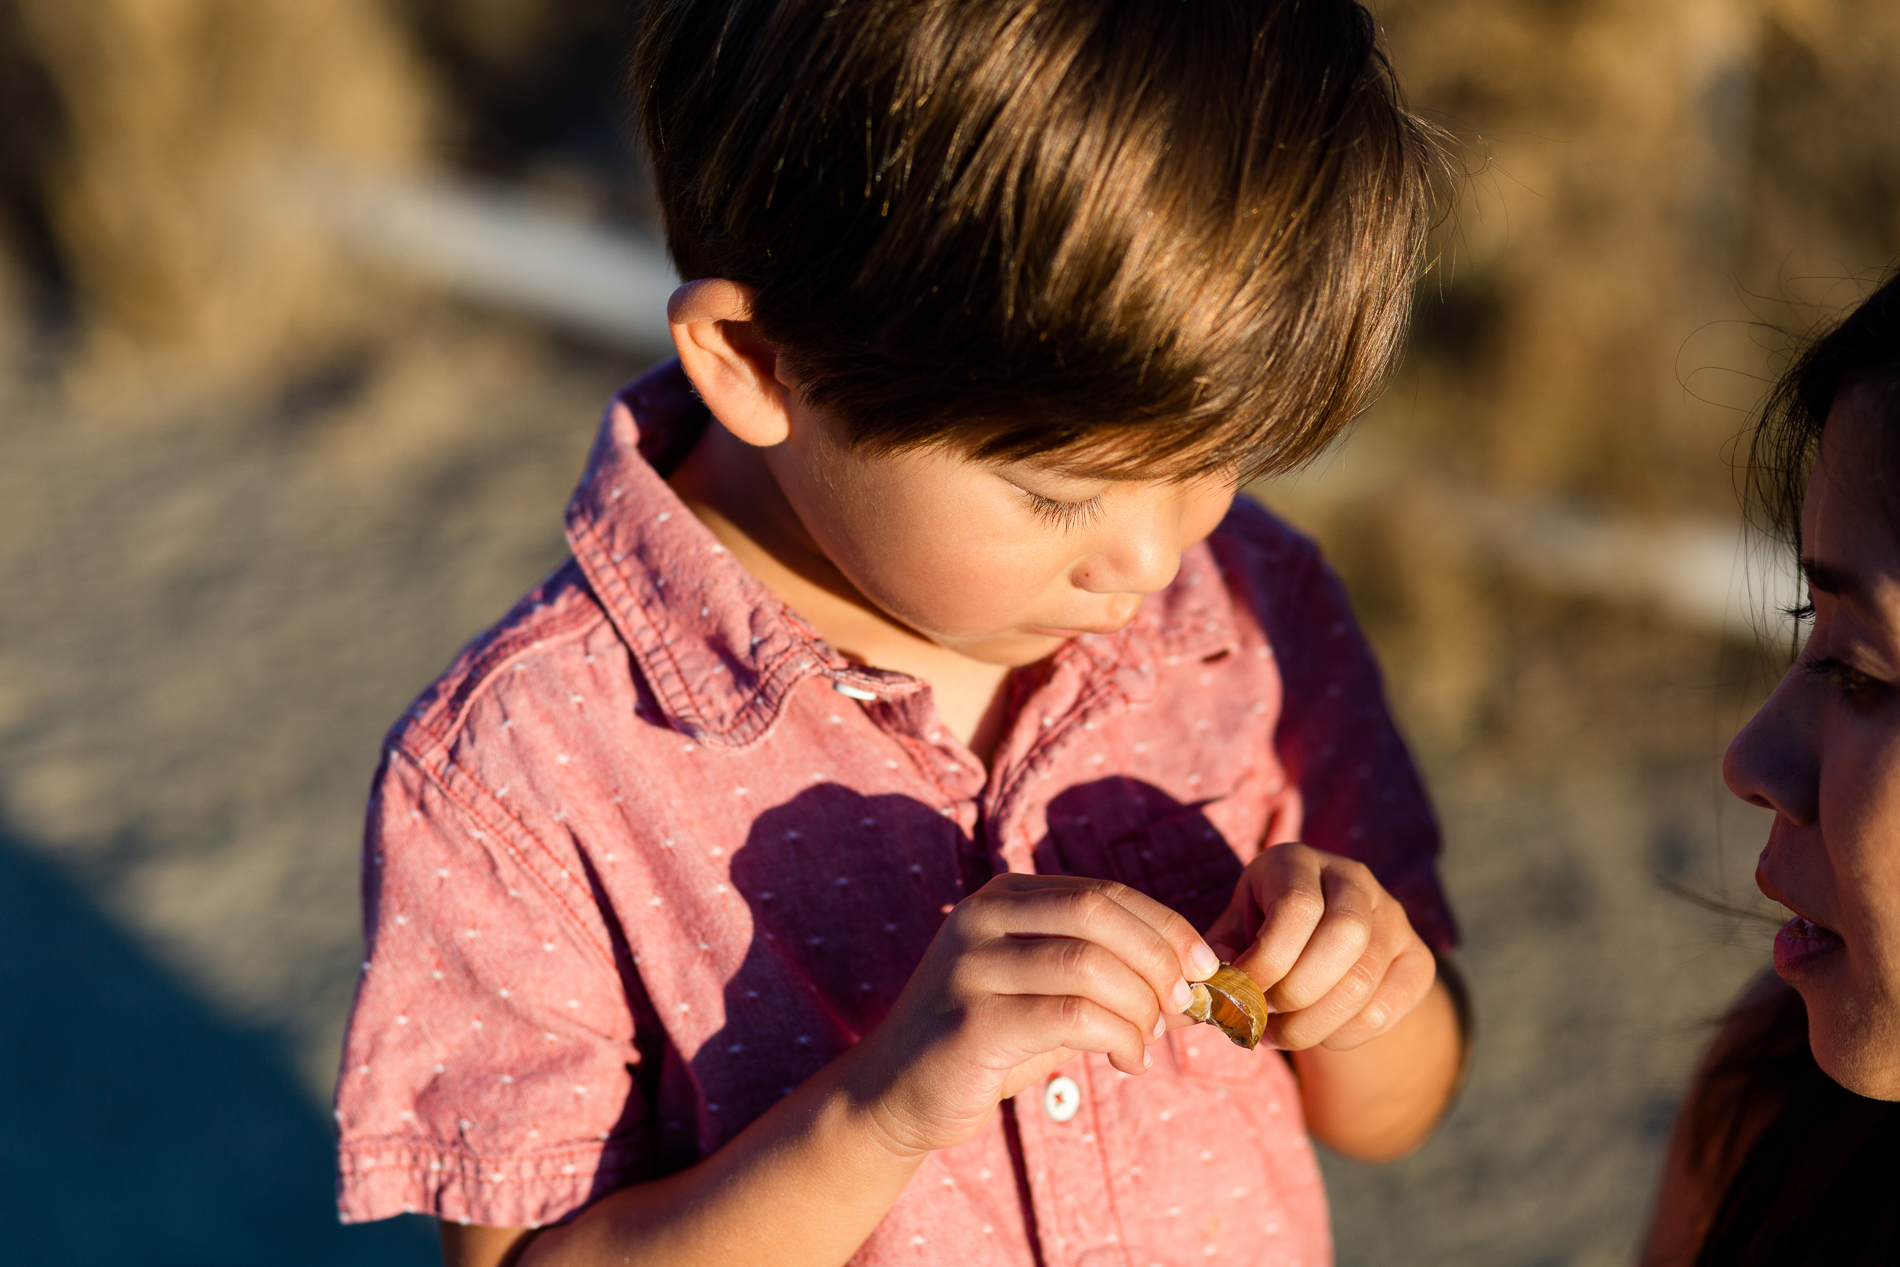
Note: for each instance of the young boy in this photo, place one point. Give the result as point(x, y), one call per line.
point(812, 867)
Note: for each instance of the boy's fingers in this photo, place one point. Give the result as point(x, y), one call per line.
point(1319, 1021)
point(1228, 934)
point(1335, 946)
point(1165, 921)
point(1193, 957)
point(1034, 1070)
point(1037, 1024)
point(1284, 885)
point(1057, 966)
point(1408, 979)
point(1147, 936)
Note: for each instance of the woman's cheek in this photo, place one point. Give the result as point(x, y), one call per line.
point(1860, 825)
point(1860, 800)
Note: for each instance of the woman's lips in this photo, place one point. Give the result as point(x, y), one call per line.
point(1800, 942)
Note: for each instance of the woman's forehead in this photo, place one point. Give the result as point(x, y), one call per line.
point(1859, 455)
point(1850, 527)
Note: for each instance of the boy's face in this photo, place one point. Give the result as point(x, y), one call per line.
point(998, 562)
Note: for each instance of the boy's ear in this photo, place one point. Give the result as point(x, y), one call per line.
point(735, 369)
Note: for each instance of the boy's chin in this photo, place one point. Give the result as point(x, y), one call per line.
point(1014, 649)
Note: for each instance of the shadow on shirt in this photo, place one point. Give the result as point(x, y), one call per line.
point(846, 892)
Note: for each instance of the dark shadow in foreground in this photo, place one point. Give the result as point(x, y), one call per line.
point(136, 1126)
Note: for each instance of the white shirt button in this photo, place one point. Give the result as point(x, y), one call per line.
point(1061, 1098)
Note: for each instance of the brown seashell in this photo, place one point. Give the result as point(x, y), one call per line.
point(1232, 1001)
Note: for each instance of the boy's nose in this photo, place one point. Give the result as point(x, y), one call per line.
point(1139, 562)
point(1772, 761)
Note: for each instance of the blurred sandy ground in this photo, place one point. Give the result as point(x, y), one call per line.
point(261, 472)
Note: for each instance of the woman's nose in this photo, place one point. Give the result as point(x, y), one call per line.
point(1772, 761)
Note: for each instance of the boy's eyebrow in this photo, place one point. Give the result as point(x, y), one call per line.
point(1838, 581)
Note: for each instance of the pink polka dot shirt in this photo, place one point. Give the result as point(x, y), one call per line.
point(651, 853)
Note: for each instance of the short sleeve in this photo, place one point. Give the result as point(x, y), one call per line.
point(1361, 792)
point(488, 1067)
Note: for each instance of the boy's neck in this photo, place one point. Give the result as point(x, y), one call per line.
point(728, 486)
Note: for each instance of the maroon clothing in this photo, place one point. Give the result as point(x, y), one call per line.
point(651, 853)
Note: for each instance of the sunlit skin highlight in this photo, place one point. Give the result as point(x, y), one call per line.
point(1824, 754)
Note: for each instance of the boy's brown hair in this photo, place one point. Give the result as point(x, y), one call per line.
point(1153, 237)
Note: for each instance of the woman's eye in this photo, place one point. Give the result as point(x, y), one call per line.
point(1849, 681)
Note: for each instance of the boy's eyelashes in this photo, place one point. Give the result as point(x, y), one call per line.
point(1063, 514)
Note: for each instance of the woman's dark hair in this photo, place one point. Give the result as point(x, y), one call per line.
point(1151, 236)
point(1815, 1187)
point(1862, 354)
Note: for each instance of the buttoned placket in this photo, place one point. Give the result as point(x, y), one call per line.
point(1058, 1129)
point(1060, 1138)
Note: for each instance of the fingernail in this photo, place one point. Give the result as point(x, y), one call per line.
point(1147, 1059)
point(1205, 961)
point(1183, 995)
point(1161, 1025)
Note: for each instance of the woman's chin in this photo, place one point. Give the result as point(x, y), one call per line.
point(1863, 1063)
point(1853, 1027)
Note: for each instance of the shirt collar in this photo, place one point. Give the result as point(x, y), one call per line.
point(721, 652)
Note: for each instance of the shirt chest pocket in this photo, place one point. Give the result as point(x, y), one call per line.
point(1184, 859)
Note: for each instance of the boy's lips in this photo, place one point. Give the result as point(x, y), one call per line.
point(1801, 942)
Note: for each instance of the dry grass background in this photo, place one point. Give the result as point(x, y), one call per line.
point(254, 492)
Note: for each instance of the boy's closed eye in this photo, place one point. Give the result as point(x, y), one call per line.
point(1071, 501)
point(1065, 500)
point(1063, 514)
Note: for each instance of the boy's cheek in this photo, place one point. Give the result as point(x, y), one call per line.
point(945, 600)
point(962, 594)
point(1206, 514)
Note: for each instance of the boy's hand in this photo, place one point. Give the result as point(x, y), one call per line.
point(1025, 973)
point(1333, 951)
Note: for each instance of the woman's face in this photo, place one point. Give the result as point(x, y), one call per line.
point(1824, 754)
